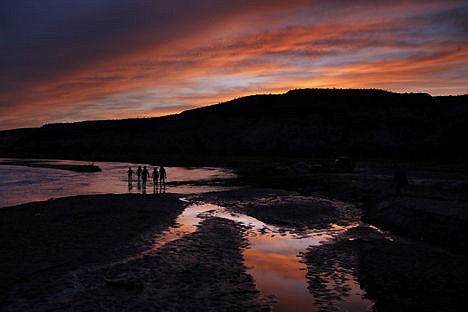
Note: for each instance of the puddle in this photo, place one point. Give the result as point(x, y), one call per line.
point(273, 257)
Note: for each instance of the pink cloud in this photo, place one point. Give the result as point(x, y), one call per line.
point(203, 55)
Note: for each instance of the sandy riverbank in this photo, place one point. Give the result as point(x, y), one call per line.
point(78, 253)
point(397, 274)
point(42, 242)
point(84, 253)
point(285, 209)
point(202, 271)
point(422, 268)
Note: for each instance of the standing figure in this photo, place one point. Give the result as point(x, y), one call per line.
point(144, 176)
point(399, 179)
point(139, 173)
point(162, 177)
point(155, 176)
point(130, 175)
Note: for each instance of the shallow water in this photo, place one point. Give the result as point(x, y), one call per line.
point(273, 258)
point(21, 184)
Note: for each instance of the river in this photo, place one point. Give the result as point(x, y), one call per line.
point(21, 184)
point(273, 257)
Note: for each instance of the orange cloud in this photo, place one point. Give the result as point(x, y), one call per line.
point(154, 68)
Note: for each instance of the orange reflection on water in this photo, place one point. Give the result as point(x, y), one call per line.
point(282, 265)
point(273, 257)
point(275, 266)
point(279, 276)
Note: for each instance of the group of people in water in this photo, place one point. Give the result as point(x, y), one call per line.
point(158, 176)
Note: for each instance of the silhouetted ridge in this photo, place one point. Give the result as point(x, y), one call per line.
point(302, 122)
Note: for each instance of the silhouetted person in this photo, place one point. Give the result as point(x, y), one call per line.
point(155, 176)
point(144, 176)
point(162, 177)
point(399, 179)
point(139, 173)
point(130, 175)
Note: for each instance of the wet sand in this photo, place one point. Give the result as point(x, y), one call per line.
point(398, 274)
point(285, 209)
point(86, 252)
point(43, 242)
point(202, 271)
point(418, 263)
point(94, 253)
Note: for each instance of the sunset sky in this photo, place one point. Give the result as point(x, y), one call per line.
point(63, 61)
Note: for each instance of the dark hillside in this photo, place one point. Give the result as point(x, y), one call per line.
point(9, 137)
point(308, 122)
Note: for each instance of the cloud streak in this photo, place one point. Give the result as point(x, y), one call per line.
point(117, 59)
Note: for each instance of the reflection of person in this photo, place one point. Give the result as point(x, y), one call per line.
point(139, 173)
point(144, 175)
point(162, 177)
point(130, 175)
point(399, 179)
point(155, 176)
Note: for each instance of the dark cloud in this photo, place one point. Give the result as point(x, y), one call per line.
point(43, 38)
point(57, 53)
point(456, 17)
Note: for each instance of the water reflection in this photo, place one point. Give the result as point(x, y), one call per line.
point(273, 257)
point(280, 276)
point(35, 184)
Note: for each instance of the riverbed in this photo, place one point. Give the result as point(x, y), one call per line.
point(206, 245)
point(273, 257)
point(273, 254)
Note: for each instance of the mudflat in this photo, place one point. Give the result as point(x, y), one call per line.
point(42, 242)
point(94, 252)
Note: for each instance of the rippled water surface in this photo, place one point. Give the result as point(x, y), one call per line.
point(21, 184)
